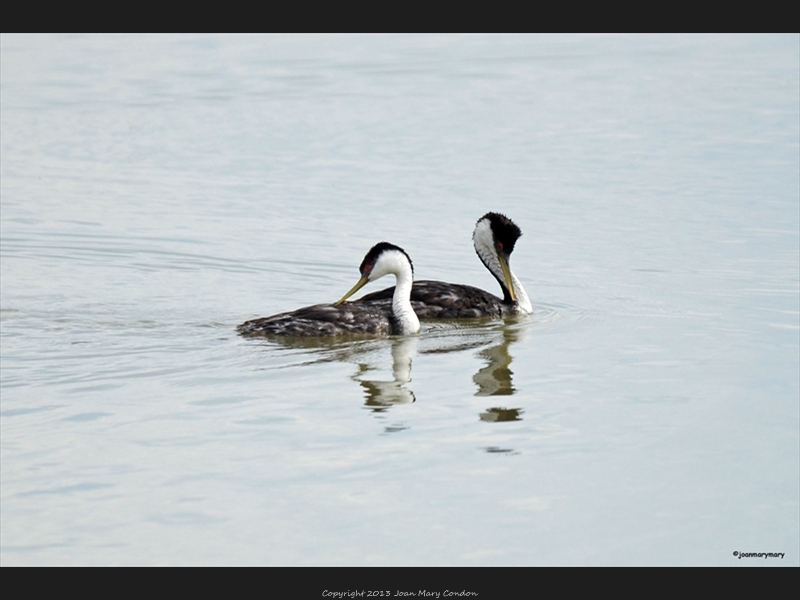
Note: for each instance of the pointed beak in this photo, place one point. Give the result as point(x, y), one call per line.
point(361, 283)
point(507, 275)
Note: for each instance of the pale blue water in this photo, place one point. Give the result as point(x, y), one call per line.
point(159, 190)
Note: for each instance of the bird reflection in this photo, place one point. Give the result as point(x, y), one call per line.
point(498, 450)
point(487, 340)
point(501, 414)
point(380, 395)
point(495, 378)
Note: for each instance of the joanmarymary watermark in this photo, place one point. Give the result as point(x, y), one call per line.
point(741, 555)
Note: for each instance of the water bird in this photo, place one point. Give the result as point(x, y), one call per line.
point(353, 318)
point(494, 238)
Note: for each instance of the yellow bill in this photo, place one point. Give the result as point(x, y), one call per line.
point(507, 276)
point(361, 283)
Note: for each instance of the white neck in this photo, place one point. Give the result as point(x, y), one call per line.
point(401, 302)
point(397, 263)
point(523, 302)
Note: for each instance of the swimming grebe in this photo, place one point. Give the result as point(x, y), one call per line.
point(352, 318)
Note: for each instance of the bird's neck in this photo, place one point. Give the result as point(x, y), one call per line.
point(490, 261)
point(401, 303)
point(523, 302)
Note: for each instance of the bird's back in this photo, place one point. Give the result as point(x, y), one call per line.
point(325, 320)
point(440, 300)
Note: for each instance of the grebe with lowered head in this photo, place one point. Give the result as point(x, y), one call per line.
point(352, 318)
point(494, 238)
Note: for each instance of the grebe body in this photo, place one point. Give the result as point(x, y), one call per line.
point(352, 318)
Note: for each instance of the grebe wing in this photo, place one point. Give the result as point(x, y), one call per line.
point(440, 300)
point(325, 320)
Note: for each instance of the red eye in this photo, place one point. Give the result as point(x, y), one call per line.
point(499, 245)
point(367, 268)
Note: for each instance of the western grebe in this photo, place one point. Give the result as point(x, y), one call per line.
point(352, 318)
point(494, 238)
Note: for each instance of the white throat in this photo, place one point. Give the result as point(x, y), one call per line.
point(396, 263)
point(523, 302)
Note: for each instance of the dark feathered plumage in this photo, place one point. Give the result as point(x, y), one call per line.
point(326, 319)
point(440, 300)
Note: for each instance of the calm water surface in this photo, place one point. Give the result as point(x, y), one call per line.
point(157, 191)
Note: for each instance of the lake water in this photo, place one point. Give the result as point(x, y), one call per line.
point(159, 190)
